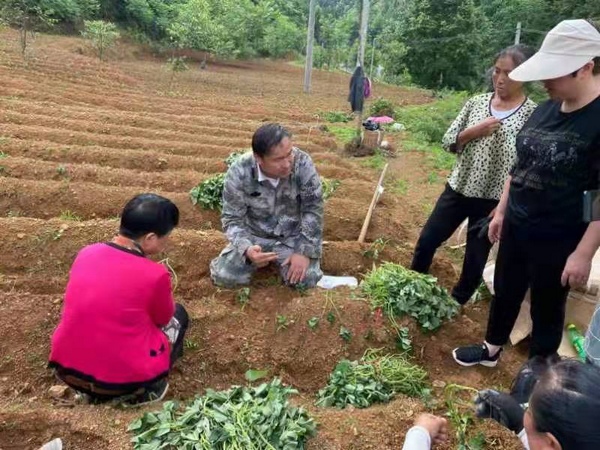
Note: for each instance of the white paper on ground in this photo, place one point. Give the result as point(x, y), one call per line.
point(330, 282)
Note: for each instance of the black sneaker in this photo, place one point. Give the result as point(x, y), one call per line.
point(475, 354)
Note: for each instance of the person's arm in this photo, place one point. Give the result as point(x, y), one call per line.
point(162, 307)
point(578, 266)
point(310, 241)
point(417, 438)
point(503, 203)
point(495, 227)
point(234, 211)
point(450, 141)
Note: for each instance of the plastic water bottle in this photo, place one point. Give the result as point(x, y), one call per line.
point(577, 340)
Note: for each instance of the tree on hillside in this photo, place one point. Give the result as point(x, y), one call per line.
point(27, 16)
point(445, 42)
point(102, 35)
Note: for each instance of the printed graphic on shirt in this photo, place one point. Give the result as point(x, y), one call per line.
point(550, 159)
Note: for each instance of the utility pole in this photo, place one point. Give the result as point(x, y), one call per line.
point(309, 46)
point(518, 34)
point(364, 22)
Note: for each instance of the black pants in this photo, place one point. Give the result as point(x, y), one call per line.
point(177, 347)
point(536, 264)
point(450, 211)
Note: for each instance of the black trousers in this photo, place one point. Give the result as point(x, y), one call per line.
point(177, 347)
point(536, 264)
point(449, 212)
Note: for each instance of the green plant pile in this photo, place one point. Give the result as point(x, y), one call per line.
point(375, 378)
point(209, 193)
point(233, 157)
point(240, 418)
point(399, 292)
point(329, 187)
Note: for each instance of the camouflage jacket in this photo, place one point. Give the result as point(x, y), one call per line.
point(291, 213)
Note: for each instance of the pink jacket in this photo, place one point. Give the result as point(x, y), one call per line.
point(114, 304)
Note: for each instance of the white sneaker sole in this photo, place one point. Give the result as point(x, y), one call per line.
point(485, 363)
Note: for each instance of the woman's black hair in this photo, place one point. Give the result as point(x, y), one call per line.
point(566, 404)
point(148, 213)
point(268, 136)
point(519, 53)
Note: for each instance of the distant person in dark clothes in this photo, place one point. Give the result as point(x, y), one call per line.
point(545, 245)
point(356, 97)
point(483, 138)
point(120, 330)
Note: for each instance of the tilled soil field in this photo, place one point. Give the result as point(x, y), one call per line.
point(78, 138)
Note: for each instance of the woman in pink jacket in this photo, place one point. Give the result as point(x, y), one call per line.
point(120, 331)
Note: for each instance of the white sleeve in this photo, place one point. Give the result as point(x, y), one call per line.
point(523, 436)
point(417, 438)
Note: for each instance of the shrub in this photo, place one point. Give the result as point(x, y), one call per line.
point(382, 107)
point(102, 35)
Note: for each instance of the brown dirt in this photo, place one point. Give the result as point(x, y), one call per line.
point(119, 128)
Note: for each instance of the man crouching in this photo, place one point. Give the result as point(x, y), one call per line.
point(272, 213)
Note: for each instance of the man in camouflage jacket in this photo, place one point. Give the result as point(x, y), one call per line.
point(272, 213)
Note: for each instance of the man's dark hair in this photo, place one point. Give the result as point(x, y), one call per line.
point(566, 403)
point(148, 213)
point(596, 60)
point(268, 136)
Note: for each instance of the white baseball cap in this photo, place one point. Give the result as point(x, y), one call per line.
point(568, 47)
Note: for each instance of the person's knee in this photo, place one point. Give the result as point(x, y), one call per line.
point(182, 316)
point(313, 275)
point(429, 240)
point(227, 274)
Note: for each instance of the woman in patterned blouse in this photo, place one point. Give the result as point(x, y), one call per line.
point(483, 138)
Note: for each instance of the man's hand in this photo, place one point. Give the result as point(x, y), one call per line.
point(488, 126)
point(495, 228)
point(258, 257)
point(437, 427)
point(298, 266)
point(577, 270)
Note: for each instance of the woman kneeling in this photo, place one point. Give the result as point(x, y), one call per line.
point(120, 330)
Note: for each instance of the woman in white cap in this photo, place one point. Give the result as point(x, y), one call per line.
point(544, 243)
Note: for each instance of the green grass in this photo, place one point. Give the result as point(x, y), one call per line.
point(377, 161)
point(343, 133)
point(430, 121)
point(69, 215)
point(400, 187)
point(425, 128)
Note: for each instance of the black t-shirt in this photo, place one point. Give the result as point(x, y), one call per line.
point(558, 157)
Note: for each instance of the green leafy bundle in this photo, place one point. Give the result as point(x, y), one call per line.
point(373, 379)
point(233, 157)
point(240, 418)
point(399, 291)
point(209, 193)
point(329, 187)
